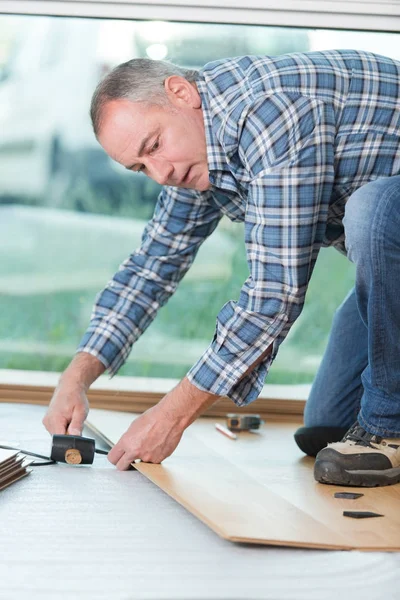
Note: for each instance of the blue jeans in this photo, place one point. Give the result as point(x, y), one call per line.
point(359, 376)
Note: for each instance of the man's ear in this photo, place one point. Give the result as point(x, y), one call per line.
point(182, 93)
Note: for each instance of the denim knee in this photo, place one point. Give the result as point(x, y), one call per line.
point(361, 212)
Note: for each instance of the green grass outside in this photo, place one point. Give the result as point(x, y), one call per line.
point(60, 319)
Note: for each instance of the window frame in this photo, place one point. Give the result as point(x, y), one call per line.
point(372, 15)
point(283, 401)
point(137, 394)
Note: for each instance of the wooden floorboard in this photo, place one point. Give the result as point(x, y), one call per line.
point(260, 489)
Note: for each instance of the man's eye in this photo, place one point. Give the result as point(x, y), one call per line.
point(155, 146)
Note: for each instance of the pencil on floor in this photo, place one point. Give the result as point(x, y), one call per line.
point(225, 431)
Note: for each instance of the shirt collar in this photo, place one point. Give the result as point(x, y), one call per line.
point(215, 154)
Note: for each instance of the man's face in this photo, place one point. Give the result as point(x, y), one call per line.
point(167, 143)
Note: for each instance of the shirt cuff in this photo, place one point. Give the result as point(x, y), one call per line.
point(111, 352)
point(223, 376)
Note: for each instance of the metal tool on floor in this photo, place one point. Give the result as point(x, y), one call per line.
point(239, 422)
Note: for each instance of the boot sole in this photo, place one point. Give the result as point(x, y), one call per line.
point(331, 473)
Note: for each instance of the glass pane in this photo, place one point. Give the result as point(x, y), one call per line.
point(69, 215)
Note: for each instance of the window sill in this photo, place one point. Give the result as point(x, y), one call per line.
point(137, 394)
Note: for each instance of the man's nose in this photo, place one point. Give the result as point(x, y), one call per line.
point(160, 171)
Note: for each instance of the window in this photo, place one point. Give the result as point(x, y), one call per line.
point(69, 215)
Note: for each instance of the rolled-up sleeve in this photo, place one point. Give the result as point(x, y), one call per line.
point(182, 220)
point(286, 147)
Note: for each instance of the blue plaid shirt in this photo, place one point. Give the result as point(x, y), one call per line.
point(289, 139)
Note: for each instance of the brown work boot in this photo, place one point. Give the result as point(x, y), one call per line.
point(360, 459)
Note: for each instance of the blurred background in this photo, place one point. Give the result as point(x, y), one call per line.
point(69, 215)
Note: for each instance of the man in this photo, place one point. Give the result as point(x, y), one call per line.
point(306, 151)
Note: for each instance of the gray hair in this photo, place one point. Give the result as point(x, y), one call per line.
point(138, 80)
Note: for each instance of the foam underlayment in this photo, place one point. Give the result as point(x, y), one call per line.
point(95, 533)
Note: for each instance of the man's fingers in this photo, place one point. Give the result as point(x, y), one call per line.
point(121, 459)
point(76, 425)
point(124, 463)
point(115, 454)
point(56, 426)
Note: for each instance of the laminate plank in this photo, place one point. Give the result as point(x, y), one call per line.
point(259, 489)
point(272, 457)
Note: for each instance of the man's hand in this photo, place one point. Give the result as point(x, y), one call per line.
point(154, 435)
point(67, 411)
point(69, 405)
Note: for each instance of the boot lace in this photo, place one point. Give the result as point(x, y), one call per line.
point(361, 437)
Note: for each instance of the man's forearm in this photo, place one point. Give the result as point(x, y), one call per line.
point(83, 370)
point(186, 402)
